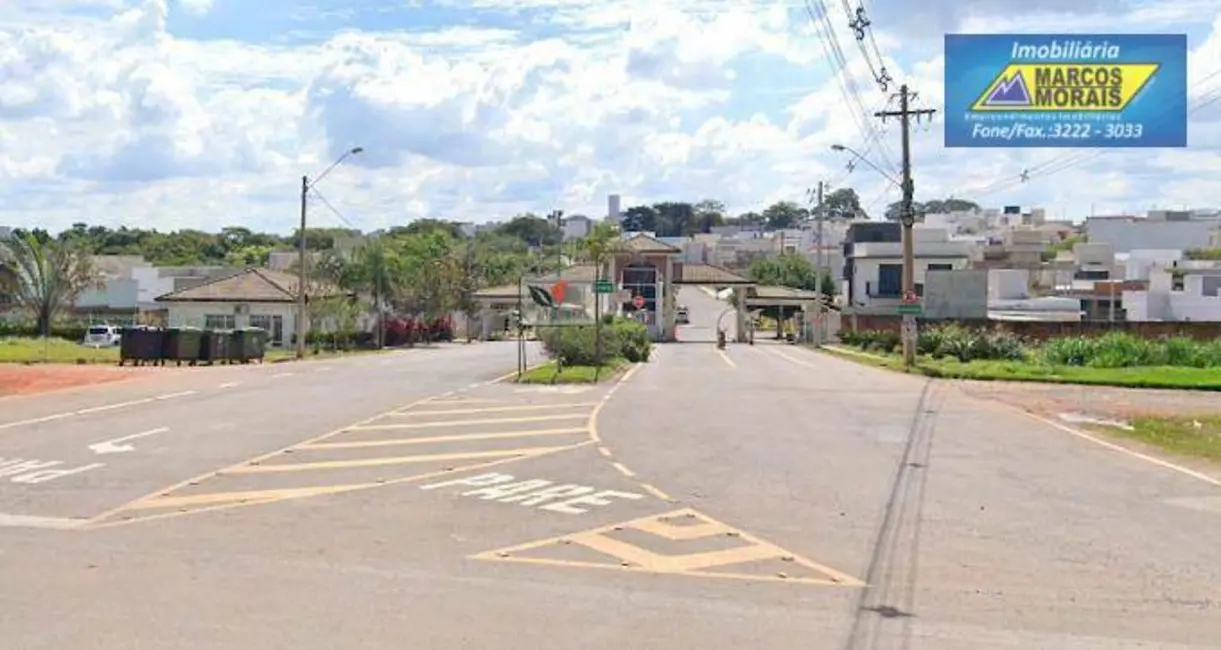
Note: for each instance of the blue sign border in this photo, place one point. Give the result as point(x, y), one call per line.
point(1155, 118)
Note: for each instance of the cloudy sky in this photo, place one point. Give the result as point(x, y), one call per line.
point(205, 113)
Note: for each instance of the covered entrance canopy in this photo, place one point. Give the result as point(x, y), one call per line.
point(709, 275)
point(783, 303)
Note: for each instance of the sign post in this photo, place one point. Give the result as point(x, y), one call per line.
point(910, 307)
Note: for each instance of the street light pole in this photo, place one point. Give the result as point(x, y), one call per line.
point(301, 271)
point(306, 185)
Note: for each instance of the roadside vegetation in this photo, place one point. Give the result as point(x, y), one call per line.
point(1198, 437)
point(577, 357)
point(1114, 359)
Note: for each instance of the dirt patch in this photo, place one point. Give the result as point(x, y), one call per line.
point(26, 380)
point(1097, 401)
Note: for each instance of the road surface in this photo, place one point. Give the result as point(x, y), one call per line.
point(764, 497)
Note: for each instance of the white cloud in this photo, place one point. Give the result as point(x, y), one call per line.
point(528, 105)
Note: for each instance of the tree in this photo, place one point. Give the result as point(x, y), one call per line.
point(894, 210)
point(784, 214)
point(675, 219)
point(48, 275)
point(786, 270)
point(641, 218)
point(419, 226)
point(708, 214)
point(534, 230)
point(843, 203)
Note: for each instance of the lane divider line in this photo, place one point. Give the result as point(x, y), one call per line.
point(95, 409)
point(623, 469)
point(647, 487)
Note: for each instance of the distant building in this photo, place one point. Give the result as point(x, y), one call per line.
point(873, 262)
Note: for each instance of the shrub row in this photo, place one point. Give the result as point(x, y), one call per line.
point(1112, 350)
point(70, 331)
point(945, 341)
point(577, 345)
point(1123, 350)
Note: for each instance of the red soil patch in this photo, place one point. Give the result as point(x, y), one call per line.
point(25, 380)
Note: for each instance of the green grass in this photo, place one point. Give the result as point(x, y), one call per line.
point(1176, 435)
point(1175, 377)
point(53, 350)
point(548, 374)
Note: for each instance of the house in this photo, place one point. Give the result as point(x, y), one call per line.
point(873, 262)
point(577, 227)
point(1159, 230)
point(250, 298)
point(1177, 292)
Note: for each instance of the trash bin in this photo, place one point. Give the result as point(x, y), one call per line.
point(182, 344)
point(141, 345)
point(249, 344)
point(214, 346)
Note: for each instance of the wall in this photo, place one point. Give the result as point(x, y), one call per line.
point(956, 294)
point(1128, 234)
point(117, 293)
point(192, 314)
point(1041, 330)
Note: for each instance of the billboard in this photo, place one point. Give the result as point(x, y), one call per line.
point(1066, 90)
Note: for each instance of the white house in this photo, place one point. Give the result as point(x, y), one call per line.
point(577, 226)
point(1198, 299)
point(873, 262)
point(249, 298)
point(1160, 230)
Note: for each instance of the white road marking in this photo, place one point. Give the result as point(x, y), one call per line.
point(1125, 451)
point(230, 384)
point(539, 493)
point(45, 418)
point(281, 375)
point(181, 394)
point(30, 521)
point(36, 471)
point(110, 407)
point(113, 445)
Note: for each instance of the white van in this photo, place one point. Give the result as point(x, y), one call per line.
point(101, 336)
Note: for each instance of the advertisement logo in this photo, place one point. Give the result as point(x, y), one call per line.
point(1065, 87)
point(1065, 90)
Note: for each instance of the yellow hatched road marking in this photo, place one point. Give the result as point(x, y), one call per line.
point(397, 460)
point(461, 423)
point(252, 495)
point(723, 563)
point(533, 407)
point(455, 438)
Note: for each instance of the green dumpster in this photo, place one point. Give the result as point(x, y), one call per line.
point(249, 344)
point(183, 344)
point(214, 346)
point(141, 345)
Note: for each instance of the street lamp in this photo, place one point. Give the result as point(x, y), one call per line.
point(893, 181)
point(306, 185)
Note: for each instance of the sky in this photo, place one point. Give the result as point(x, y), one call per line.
point(206, 113)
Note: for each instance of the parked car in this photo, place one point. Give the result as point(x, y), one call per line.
point(102, 336)
point(682, 317)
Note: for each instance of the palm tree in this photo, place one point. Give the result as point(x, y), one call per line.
point(47, 275)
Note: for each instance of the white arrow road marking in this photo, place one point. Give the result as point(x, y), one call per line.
point(113, 446)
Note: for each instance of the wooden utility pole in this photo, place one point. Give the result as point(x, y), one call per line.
point(908, 218)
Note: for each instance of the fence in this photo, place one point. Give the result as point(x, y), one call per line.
point(1042, 330)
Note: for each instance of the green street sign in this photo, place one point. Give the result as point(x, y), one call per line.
point(911, 309)
point(604, 286)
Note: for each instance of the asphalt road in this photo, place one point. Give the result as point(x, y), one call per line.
point(764, 497)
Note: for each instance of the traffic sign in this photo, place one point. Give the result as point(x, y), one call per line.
point(910, 297)
point(911, 309)
point(638, 302)
point(604, 286)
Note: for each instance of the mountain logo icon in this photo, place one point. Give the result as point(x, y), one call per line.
point(1009, 92)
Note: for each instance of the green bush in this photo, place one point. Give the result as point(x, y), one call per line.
point(70, 331)
point(1123, 350)
point(577, 345)
point(953, 340)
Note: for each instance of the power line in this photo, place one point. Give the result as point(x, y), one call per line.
point(847, 82)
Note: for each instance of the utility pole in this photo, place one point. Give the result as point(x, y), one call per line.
point(908, 217)
point(820, 216)
point(301, 272)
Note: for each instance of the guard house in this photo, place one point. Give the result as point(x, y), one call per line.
point(652, 269)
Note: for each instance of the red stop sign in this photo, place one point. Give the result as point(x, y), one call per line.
point(638, 301)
